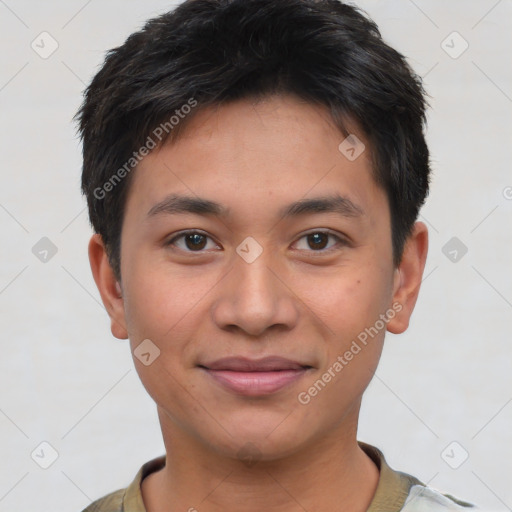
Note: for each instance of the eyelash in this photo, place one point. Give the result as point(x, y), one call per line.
point(340, 241)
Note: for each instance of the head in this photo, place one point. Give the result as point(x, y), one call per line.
point(288, 139)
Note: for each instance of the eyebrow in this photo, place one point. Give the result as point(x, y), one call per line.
point(179, 204)
point(336, 204)
point(175, 204)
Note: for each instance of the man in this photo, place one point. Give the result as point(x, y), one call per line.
point(254, 170)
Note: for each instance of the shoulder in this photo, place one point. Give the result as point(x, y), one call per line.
point(112, 502)
point(397, 490)
point(129, 498)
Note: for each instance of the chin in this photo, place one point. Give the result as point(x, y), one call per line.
point(260, 437)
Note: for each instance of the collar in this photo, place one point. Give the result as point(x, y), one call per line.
point(392, 488)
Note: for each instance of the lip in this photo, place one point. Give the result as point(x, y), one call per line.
point(255, 377)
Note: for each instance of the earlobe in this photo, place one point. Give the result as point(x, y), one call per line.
point(408, 277)
point(109, 288)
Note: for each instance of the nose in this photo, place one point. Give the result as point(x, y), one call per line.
point(255, 297)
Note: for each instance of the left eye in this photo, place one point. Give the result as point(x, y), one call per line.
point(318, 241)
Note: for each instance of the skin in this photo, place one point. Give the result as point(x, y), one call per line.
point(295, 300)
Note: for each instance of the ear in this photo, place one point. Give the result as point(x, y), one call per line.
point(108, 286)
point(408, 276)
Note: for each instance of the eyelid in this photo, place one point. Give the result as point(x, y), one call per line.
point(185, 232)
point(341, 240)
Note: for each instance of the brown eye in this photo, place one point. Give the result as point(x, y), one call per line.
point(195, 241)
point(191, 241)
point(318, 240)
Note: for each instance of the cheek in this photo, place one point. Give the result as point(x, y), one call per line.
point(159, 301)
point(160, 309)
point(167, 308)
point(351, 309)
point(348, 302)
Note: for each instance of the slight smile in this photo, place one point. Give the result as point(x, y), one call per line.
point(255, 377)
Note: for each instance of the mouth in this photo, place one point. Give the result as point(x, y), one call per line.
point(255, 377)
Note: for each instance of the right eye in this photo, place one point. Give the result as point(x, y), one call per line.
point(190, 241)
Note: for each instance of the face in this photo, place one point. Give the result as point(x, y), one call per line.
point(256, 258)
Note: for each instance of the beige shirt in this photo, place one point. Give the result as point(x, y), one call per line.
point(395, 491)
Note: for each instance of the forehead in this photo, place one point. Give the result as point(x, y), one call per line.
point(271, 152)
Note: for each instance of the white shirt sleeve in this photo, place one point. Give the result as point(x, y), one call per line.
point(426, 499)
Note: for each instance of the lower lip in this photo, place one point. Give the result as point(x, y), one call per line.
point(256, 383)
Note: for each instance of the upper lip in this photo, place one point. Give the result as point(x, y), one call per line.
point(244, 364)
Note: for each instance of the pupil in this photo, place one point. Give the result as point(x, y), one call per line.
point(315, 240)
point(195, 239)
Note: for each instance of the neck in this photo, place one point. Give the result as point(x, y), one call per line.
point(332, 473)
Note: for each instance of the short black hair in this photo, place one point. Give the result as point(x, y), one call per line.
point(210, 52)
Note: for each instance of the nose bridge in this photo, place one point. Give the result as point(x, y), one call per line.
point(256, 286)
point(253, 298)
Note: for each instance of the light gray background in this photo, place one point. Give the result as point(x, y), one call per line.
point(65, 379)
